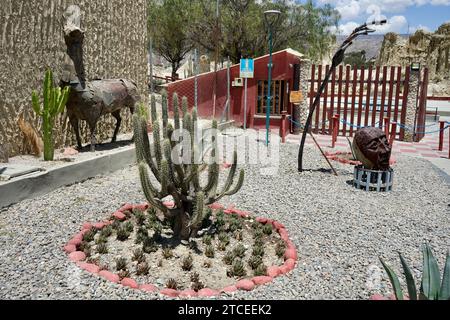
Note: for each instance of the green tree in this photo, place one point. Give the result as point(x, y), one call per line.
point(169, 23)
point(242, 31)
point(357, 58)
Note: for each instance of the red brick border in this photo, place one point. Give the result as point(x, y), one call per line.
point(78, 257)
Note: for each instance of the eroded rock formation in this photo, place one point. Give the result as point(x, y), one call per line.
point(430, 49)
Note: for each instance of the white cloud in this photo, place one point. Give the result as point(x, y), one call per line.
point(419, 27)
point(397, 24)
point(351, 9)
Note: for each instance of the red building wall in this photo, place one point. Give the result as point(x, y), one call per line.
point(283, 62)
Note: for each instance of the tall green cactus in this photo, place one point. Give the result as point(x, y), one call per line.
point(175, 177)
point(54, 103)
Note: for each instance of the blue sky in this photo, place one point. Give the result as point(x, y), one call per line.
point(401, 14)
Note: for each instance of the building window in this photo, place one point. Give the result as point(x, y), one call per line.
point(277, 92)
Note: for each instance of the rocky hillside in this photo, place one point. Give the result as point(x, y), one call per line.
point(430, 49)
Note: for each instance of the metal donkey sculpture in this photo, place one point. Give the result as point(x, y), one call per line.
point(89, 100)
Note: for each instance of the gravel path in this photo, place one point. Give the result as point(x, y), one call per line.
point(338, 230)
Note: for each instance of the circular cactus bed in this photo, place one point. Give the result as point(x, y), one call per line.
point(233, 251)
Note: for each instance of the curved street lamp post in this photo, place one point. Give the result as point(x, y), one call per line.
point(337, 59)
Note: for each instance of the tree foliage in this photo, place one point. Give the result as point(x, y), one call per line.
point(357, 58)
point(169, 24)
point(240, 30)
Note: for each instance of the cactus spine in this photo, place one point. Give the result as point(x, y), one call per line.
point(55, 100)
point(176, 176)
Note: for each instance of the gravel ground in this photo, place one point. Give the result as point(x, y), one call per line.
point(339, 231)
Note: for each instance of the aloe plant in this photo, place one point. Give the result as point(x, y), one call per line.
point(55, 100)
point(431, 287)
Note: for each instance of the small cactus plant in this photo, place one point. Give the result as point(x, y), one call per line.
point(123, 274)
point(258, 251)
point(221, 246)
point(237, 269)
point(121, 264)
point(172, 284)
point(207, 264)
point(258, 234)
point(138, 255)
point(238, 235)
point(54, 102)
point(229, 257)
point(122, 233)
point(167, 253)
point(239, 251)
point(179, 177)
point(142, 268)
point(207, 239)
point(187, 263)
point(267, 229)
point(149, 246)
point(129, 226)
point(102, 248)
point(224, 238)
point(89, 235)
point(195, 277)
point(106, 232)
point(254, 262)
point(280, 249)
point(261, 270)
point(209, 251)
point(141, 235)
point(139, 216)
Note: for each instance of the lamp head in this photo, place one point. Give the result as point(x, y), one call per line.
point(271, 17)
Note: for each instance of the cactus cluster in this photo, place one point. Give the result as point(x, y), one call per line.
point(177, 165)
point(54, 102)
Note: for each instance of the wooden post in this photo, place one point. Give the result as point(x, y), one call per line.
point(283, 126)
point(441, 135)
point(386, 126)
point(335, 130)
point(393, 133)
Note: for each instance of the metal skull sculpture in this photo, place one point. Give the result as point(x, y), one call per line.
point(372, 148)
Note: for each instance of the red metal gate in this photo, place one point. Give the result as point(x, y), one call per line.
point(365, 97)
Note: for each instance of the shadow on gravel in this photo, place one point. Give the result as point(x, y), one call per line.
point(106, 146)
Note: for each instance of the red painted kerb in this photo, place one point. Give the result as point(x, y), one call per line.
point(283, 69)
point(78, 257)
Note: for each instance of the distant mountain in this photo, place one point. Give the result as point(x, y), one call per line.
point(370, 43)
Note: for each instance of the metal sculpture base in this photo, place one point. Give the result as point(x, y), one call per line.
point(373, 180)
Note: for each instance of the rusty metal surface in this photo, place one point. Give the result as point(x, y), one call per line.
point(89, 100)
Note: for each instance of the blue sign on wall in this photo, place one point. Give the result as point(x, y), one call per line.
point(247, 68)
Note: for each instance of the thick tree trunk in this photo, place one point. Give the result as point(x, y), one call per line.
point(175, 67)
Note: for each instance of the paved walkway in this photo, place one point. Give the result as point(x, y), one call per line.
point(427, 148)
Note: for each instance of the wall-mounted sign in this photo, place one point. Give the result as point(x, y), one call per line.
point(415, 66)
point(296, 97)
point(247, 68)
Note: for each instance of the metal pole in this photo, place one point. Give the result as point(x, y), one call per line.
point(196, 79)
point(152, 89)
point(245, 103)
point(216, 58)
point(228, 89)
point(269, 97)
